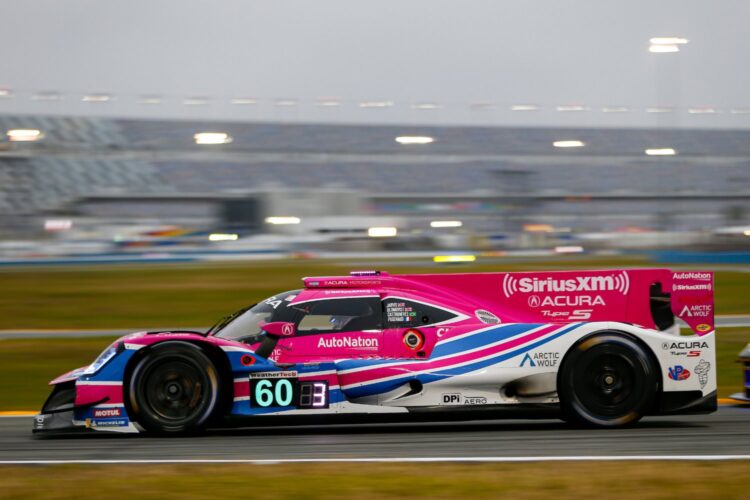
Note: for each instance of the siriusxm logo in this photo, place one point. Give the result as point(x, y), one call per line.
point(617, 282)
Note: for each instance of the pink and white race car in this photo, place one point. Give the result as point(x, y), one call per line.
point(598, 348)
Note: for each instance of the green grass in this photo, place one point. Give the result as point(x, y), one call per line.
point(196, 295)
point(612, 480)
point(26, 365)
point(729, 342)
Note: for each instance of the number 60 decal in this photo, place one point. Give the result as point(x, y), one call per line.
point(278, 392)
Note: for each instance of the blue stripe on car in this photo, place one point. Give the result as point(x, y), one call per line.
point(440, 374)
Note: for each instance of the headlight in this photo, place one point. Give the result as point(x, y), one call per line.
point(108, 353)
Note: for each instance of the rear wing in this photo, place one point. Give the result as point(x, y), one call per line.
point(652, 298)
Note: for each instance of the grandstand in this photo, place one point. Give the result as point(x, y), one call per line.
point(497, 179)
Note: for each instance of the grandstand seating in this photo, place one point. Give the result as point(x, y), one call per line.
point(85, 156)
point(47, 183)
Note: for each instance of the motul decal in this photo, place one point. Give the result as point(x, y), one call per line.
point(108, 412)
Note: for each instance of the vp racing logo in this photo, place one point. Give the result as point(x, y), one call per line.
point(619, 282)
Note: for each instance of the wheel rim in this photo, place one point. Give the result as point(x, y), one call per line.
point(175, 391)
point(607, 384)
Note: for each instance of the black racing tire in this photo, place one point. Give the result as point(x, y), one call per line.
point(174, 389)
point(607, 380)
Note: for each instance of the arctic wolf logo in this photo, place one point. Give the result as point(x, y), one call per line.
point(701, 310)
point(527, 358)
point(613, 282)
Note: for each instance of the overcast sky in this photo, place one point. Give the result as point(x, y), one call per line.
point(547, 53)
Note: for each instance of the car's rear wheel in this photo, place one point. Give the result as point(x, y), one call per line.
point(174, 389)
point(607, 380)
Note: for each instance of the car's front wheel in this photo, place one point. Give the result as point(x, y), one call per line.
point(607, 380)
point(174, 389)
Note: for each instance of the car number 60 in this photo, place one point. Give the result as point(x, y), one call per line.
point(282, 393)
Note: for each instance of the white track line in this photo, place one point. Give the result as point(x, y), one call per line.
point(585, 458)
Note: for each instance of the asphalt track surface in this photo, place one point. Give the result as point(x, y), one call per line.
point(726, 432)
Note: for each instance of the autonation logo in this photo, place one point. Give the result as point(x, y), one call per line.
point(353, 342)
point(616, 282)
point(692, 276)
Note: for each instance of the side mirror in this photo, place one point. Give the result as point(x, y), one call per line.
point(279, 329)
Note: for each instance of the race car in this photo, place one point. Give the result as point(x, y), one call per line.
point(744, 358)
point(595, 348)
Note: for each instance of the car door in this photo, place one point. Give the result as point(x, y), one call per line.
point(331, 328)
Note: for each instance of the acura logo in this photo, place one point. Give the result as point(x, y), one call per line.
point(535, 301)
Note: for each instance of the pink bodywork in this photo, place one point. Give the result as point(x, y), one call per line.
point(549, 299)
point(86, 392)
point(521, 297)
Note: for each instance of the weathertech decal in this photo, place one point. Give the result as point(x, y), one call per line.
point(616, 282)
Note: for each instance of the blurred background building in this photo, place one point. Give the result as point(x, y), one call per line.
point(608, 141)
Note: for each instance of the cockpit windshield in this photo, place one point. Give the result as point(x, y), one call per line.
point(244, 325)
